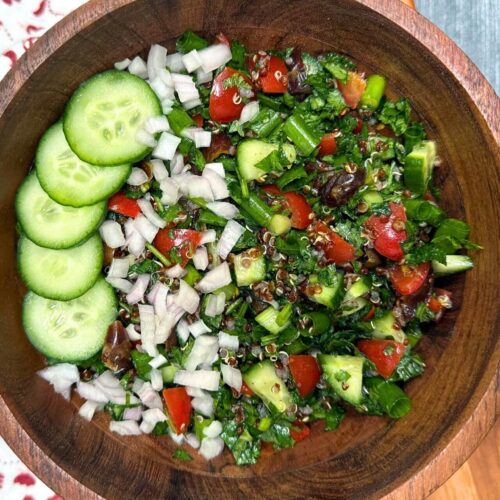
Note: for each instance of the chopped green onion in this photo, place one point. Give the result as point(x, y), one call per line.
point(178, 120)
point(158, 255)
point(189, 41)
point(264, 122)
point(284, 315)
point(423, 211)
point(390, 396)
point(290, 176)
point(374, 90)
point(300, 134)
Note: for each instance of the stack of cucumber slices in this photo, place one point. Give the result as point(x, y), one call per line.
point(80, 162)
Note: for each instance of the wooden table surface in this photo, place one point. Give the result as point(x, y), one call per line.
point(474, 27)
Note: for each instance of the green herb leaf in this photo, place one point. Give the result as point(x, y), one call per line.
point(180, 454)
point(397, 115)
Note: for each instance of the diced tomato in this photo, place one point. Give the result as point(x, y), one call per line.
point(222, 38)
point(369, 315)
point(408, 279)
point(388, 231)
point(353, 89)
point(384, 354)
point(328, 145)
point(433, 302)
point(299, 431)
point(225, 103)
point(305, 372)
point(178, 404)
point(297, 204)
point(274, 77)
point(198, 119)
point(246, 390)
point(120, 204)
point(184, 240)
point(336, 249)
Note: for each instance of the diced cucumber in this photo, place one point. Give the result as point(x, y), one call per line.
point(51, 225)
point(264, 382)
point(384, 328)
point(168, 373)
point(353, 300)
point(330, 294)
point(345, 375)
point(103, 116)
point(252, 151)
point(73, 330)
point(69, 180)
point(418, 166)
point(60, 274)
point(249, 267)
point(372, 197)
point(454, 264)
point(384, 146)
point(267, 319)
point(374, 90)
point(280, 224)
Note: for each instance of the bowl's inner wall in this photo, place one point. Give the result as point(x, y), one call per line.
point(364, 446)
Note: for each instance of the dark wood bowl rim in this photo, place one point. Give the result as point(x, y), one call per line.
point(479, 413)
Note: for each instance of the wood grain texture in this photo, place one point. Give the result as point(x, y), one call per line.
point(454, 402)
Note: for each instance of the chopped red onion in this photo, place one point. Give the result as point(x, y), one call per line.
point(157, 59)
point(182, 331)
point(160, 171)
point(191, 61)
point(156, 124)
point(202, 77)
point(213, 430)
point(198, 328)
point(229, 237)
point(138, 67)
point(231, 376)
point(223, 209)
point(119, 268)
point(150, 213)
point(230, 342)
point(167, 145)
point(149, 396)
point(170, 191)
point(176, 271)
point(208, 236)
point(148, 325)
point(217, 167)
point(145, 228)
point(187, 298)
point(132, 413)
point(158, 361)
point(216, 278)
point(200, 258)
point(153, 292)
point(137, 385)
point(203, 405)
point(137, 177)
point(217, 184)
point(61, 376)
point(249, 111)
point(211, 447)
point(111, 233)
point(203, 379)
point(156, 379)
point(120, 284)
point(174, 62)
point(125, 427)
point(214, 56)
point(139, 288)
point(123, 64)
point(204, 350)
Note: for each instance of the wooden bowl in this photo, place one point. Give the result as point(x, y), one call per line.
point(453, 403)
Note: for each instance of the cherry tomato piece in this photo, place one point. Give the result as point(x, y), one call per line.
point(305, 372)
point(384, 354)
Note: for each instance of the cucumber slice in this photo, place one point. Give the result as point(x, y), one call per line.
point(418, 166)
point(384, 328)
point(454, 264)
point(51, 225)
point(249, 267)
point(71, 330)
point(69, 180)
point(345, 375)
point(330, 295)
point(267, 319)
point(60, 274)
point(262, 379)
point(353, 300)
point(103, 116)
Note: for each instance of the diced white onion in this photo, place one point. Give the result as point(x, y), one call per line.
point(216, 278)
point(202, 77)
point(89, 391)
point(153, 292)
point(88, 409)
point(177, 438)
point(61, 376)
point(223, 209)
point(156, 379)
point(150, 213)
point(177, 164)
point(191, 61)
point(137, 385)
point(200, 258)
point(204, 351)
point(186, 91)
point(192, 103)
point(132, 333)
point(192, 440)
point(187, 298)
point(147, 317)
point(217, 167)
point(154, 415)
point(231, 376)
point(166, 147)
point(111, 233)
point(214, 56)
point(208, 236)
point(138, 67)
point(158, 361)
point(182, 331)
point(160, 171)
point(145, 138)
point(160, 300)
point(229, 237)
point(202, 139)
point(120, 284)
point(123, 64)
point(139, 288)
point(211, 307)
point(194, 392)
point(198, 328)
point(156, 124)
point(203, 379)
point(203, 405)
point(170, 191)
point(217, 184)
point(249, 111)
point(165, 76)
point(167, 105)
point(145, 228)
point(221, 303)
point(179, 78)
point(149, 396)
point(231, 342)
point(132, 413)
point(119, 268)
point(174, 62)
point(199, 187)
point(157, 59)
point(176, 271)
point(125, 428)
point(161, 90)
point(137, 177)
point(213, 430)
point(211, 447)
point(134, 240)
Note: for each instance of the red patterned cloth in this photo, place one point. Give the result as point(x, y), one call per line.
point(21, 23)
